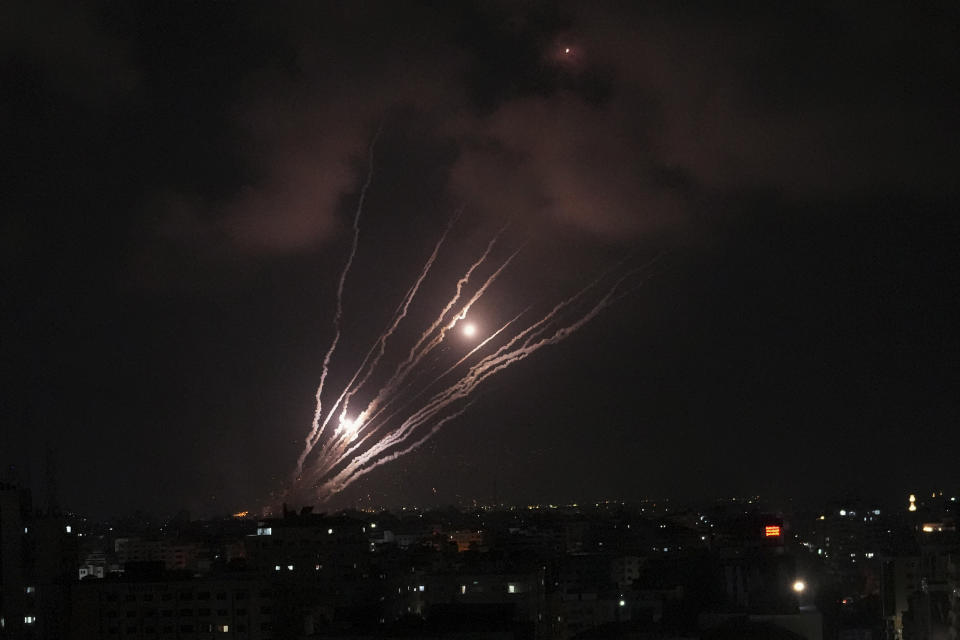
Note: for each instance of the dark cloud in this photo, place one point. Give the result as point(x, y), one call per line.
point(815, 104)
point(607, 119)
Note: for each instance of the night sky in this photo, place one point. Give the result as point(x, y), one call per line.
point(179, 182)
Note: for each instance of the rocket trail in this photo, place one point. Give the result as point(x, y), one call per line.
point(460, 283)
point(315, 431)
point(405, 410)
point(334, 449)
point(327, 490)
point(382, 342)
point(477, 348)
point(380, 345)
point(420, 351)
point(386, 419)
point(460, 390)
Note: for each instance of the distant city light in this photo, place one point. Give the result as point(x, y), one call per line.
point(69, 529)
point(843, 512)
point(623, 603)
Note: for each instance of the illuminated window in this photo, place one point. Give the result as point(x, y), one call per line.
point(771, 531)
point(264, 531)
point(29, 619)
point(69, 529)
point(30, 589)
point(463, 588)
point(511, 588)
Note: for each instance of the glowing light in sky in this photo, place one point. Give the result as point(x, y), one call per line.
point(349, 427)
point(469, 329)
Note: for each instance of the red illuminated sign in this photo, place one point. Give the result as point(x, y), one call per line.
point(771, 531)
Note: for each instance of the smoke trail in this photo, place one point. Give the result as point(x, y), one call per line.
point(460, 283)
point(406, 306)
point(440, 377)
point(315, 431)
point(443, 398)
point(370, 440)
point(365, 462)
point(333, 451)
point(380, 345)
point(330, 488)
point(386, 419)
point(416, 356)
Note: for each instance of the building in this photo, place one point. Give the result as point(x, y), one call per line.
point(37, 568)
point(146, 603)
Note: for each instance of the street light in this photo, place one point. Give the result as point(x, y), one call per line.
point(799, 586)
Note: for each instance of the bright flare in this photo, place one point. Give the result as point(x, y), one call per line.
point(469, 330)
point(799, 586)
point(349, 427)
